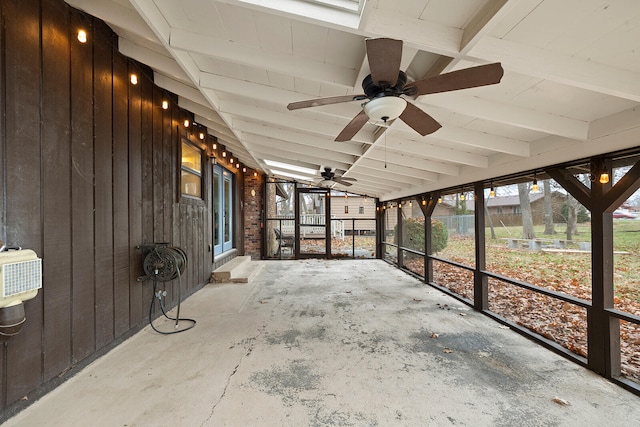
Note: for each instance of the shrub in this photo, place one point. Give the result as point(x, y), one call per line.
point(439, 236)
point(413, 234)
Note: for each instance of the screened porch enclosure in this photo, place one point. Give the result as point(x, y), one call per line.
point(309, 222)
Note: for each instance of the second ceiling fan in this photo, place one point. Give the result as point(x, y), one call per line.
point(386, 83)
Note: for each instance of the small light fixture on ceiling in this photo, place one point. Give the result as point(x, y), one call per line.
point(440, 199)
point(165, 105)
point(385, 108)
point(82, 36)
point(134, 79)
point(462, 196)
point(492, 191)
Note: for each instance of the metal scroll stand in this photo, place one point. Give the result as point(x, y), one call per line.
point(163, 263)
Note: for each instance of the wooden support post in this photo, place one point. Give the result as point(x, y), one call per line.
point(481, 282)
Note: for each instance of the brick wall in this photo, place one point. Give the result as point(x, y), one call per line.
point(253, 199)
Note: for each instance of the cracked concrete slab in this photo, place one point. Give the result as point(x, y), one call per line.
point(332, 343)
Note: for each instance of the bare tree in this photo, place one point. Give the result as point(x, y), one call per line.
point(572, 217)
point(525, 208)
point(549, 228)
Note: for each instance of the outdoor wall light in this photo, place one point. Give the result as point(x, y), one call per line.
point(165, 105)
point(224, 154)
point(134, 79)
point(201, 135)
point(186, 123)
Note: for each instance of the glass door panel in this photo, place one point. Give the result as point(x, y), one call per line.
point(312, 222)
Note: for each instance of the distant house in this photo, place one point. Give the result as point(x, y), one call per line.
point(507, 210)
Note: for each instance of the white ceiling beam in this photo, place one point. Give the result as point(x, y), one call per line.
point(243, 126)
point(430, 36)
point(153, 59)
point(117, 15)
point(508, 114)
point(320, 153)
point(260, 59)
point(397, 168)
point(569, 70)
point(267, 153)
point(483, 22)
point(388, 178)
point(292, 121)
point(424, 148)
point(180, 88)
point(475, 139)
point(413, 161)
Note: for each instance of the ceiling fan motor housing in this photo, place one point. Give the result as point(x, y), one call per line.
point(373, 90)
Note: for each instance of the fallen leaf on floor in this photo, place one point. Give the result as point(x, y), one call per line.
point(503, 327)
point(448, 350)
point(434, 335)
point(417, 300)
point(463, 314)
point(560, 401)
point(348, 292)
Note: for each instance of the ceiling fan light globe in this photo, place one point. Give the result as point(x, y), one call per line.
point(385, 108)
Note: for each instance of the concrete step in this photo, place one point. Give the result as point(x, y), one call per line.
point(239, 270)
point(246, 272)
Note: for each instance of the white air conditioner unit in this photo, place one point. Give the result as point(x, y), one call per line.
point(20, 279)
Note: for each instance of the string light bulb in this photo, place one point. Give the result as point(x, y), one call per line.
point(535, 187)
point(492, 192)
point(462, 197)
point(82, 36)
point(604, 177)
point(439, 199)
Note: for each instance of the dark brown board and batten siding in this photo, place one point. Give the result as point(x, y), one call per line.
point(89, 170)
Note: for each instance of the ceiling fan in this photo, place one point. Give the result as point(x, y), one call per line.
point(384, 87)
point(330, 175)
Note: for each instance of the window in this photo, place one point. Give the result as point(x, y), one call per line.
point(191, 170)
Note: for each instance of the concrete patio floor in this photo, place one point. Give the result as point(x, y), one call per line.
point(332, 343)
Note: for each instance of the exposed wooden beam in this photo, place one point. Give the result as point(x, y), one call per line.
point(261, 59)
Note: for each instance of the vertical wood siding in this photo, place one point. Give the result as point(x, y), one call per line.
point(88, 171)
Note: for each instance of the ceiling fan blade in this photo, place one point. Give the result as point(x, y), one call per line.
point(418, 120)
point(324, 101)
point(347, 178)
point(353, 127)
point(481, 75)
point(343, 182)
point(384, 59)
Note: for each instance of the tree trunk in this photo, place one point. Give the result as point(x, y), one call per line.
point(549, 228)
point(525, 208)
point(487, 215)
point(572, 217)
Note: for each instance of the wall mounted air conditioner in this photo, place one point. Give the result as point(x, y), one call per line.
point(20, 279)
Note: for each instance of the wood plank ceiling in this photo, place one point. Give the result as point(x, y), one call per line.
point(571, 86)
